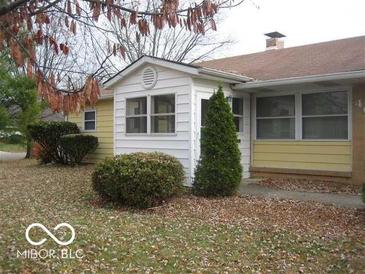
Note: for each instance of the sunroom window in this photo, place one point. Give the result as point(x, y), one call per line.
point(163, 113)
point(136, 116)
point(237, 109)
point(325, 115)
point(275, 117)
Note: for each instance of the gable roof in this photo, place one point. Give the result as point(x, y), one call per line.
point(331, 57)
point(194, 70)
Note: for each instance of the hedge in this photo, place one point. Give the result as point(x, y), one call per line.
point(76, 146)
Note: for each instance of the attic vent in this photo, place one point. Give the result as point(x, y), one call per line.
point(149, 77)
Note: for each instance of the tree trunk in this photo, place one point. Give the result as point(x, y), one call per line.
point(28, 155)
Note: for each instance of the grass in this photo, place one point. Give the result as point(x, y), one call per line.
point(188, 234)
point(12, 147)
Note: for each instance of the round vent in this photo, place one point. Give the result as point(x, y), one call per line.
point(149, 77)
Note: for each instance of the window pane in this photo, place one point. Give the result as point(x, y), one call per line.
point(325, 128)
point(137, 125)
point(325, 103)
point(89, 115)
point(238, 121)
point(276, 128)
point(237, 106)
point(275, 106)
point(163, 124)
point(204, 110)
point(163, 103)
point(137, 106)
point(90, 125)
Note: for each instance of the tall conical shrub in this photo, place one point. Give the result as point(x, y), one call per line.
point(219, 169)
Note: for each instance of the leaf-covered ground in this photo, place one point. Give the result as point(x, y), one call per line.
point(188, 234)
point(310, 185)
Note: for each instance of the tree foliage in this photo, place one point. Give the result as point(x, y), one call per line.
point(22, 32)
point(19, 103)
point(219, 169)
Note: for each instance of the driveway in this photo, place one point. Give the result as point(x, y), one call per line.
point(11, 156)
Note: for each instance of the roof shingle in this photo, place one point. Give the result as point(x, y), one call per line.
point(315, 59)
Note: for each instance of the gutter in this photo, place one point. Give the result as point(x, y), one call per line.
point(222, 74)
point(352, 75)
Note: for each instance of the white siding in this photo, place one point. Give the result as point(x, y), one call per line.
point(178, 144)
point(204, 88)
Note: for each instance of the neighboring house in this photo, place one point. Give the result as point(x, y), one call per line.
point(49, 115)
point(298, 111)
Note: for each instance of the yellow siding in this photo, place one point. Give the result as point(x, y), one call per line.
point(311, 155)
point(104, 129)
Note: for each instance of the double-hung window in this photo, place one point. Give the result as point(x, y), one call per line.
point(159, 119)
point(136, 116)
point(237, 110)
point(325, 115)
point(275, 117)
point(89, 120)
point(163, 113)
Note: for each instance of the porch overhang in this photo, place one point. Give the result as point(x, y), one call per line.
point(316, 81)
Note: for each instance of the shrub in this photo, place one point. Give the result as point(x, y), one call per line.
point(76, 146)
point(48, 135)
point(363, 193)
point(139, 179)
point(39, 154)
point(10, 136)
point(219, 169)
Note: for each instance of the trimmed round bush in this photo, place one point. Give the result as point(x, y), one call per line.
point(139, 180)
point(48, 135)
point(76, 146)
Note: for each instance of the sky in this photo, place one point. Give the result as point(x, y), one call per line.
point(302, 21)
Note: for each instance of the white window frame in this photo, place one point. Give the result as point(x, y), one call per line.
point(135, 115)
point(230, 102)
point(277, 117)
point(162, 114)
point(84, 120)
point(298, 112)
point(149, 115)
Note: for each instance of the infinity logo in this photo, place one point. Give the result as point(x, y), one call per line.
point(50, 234)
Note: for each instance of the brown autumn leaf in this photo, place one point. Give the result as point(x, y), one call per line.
point(133, 18)
point(16, 53)
point(67, 24)
point(213, 24)
point(73, 27)
point(78, 9)
point(96, 11)
point(69, 9)
point(123, 23)
point(122, 51)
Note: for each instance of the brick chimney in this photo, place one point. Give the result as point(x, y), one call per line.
point(274, 40)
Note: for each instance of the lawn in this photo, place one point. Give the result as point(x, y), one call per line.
point(12, 147)
point(188, 234)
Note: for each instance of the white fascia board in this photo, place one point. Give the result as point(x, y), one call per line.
point(106, 97)
point(352, 75)
point(222, 75)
